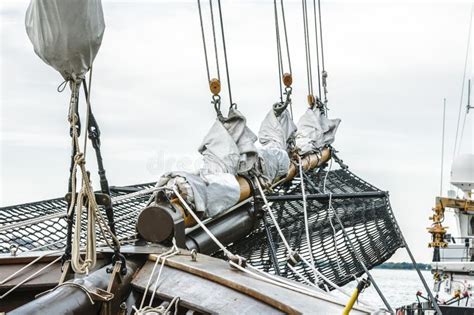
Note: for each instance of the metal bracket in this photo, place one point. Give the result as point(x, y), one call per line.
point(66, 273)
point(115, 281)
point(95, 295)
point(101, 199)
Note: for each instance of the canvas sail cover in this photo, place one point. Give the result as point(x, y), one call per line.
point(66, 34)
point(276, 135)
point(315, 131)
point(228, 149)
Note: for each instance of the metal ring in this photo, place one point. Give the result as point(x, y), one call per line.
point(13, 249)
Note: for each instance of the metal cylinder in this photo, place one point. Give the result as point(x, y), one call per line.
point(73, 300)
point(155, 223)
point(229, 228)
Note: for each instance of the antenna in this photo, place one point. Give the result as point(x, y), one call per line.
point(442, 149)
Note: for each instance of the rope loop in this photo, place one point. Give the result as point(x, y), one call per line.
point(62, 86)
point(13, 249)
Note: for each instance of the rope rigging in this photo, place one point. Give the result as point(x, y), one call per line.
point(86, 197)
point(321, 74)
point(215, 83)
point(284, 77)
point(240, 263)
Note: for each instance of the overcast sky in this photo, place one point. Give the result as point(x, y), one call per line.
point(390, 65)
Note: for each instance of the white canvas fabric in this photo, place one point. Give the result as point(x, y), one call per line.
point(276, 132)
point(210, 194)
point(228, 149)
point(66, 34)
point(315, 131)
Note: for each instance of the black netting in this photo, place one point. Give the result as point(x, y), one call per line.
point(365, 213)
point(42, 225)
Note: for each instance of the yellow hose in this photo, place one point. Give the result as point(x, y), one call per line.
point(351, 302)
point(364, 283)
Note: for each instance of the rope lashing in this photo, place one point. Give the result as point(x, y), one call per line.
point(86, 195)
point(159, 309)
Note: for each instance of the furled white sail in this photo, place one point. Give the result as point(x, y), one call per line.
point(66, 34)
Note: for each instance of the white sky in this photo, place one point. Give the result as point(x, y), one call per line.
point(390, 65)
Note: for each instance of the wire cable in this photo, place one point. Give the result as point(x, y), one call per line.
point(463, 82)
point(286, 35)
point(307, 48)
point(215, 41)
point(278, 46)
point(204, 41)
point(317, 46)
point(225, 53)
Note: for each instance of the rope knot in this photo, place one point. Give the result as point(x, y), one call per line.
point(79, 159)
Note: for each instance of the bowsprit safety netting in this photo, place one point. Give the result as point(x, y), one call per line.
point(363, 209)
point(42, 225)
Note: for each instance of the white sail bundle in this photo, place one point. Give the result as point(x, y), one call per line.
point(228, 150)
point(315, 131)
point(66, 34)
point(276, 135)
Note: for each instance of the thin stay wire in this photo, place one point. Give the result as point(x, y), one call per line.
point(465, 115)
point(463, 82)
point(225, 52)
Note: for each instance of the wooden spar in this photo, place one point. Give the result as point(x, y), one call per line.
point(309, 162)
point(149, 228)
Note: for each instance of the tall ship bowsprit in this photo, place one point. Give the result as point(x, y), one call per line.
point(273, 222)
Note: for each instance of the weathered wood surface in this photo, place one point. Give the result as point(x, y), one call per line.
point(213, 284)
point(47, 279)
